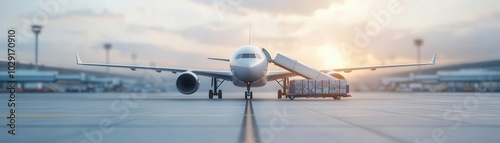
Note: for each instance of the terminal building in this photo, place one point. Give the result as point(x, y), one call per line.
point(52, 81)
point(466, 77)
point(463, 80)
point(56, 79)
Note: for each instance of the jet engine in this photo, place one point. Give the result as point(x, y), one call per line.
point(336, 75)
point(187, 83)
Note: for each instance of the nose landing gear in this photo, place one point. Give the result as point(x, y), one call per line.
point(248, 93)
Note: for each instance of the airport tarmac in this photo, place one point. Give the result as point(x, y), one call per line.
point(172, 117)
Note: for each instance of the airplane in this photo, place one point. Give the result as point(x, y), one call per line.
point(248, 68)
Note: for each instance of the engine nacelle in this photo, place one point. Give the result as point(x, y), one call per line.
point(336, 75)
point(187, 83)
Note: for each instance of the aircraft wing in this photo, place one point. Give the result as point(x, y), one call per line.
point(226, 75)
point(273, 75)
point(349, 69)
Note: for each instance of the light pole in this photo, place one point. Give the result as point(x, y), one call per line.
point(107, 47)
point(36, 29)
point(134, 56)
point(418, 43)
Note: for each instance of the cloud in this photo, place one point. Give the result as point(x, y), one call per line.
point(285, 7)
point(87, 13)
point(231, 36)
point(478, 22)
point(288, 7)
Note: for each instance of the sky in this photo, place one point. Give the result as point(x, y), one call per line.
point(322, 34)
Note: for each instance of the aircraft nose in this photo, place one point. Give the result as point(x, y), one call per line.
point(247, 72)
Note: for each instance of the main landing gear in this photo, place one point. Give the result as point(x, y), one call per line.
point(248, 93)
point(215, 85)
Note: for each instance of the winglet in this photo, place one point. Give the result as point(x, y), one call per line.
point(78, 61)
point(433, 60)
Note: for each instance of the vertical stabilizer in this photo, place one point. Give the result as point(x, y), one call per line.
point(250, 34)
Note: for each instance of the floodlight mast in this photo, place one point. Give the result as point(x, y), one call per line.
point(36, 29)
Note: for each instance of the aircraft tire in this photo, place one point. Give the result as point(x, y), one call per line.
point(220, 94)
point(210, 94)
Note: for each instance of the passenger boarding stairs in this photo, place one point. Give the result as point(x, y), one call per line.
point(318, 84)
point(300, 69)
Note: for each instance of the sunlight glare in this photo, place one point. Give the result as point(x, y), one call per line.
point(330, 56)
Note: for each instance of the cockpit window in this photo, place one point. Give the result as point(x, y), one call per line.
point(248, 56)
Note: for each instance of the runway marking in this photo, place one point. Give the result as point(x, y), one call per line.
point(249, 130)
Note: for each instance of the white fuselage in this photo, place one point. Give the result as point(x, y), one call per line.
point(248, 64)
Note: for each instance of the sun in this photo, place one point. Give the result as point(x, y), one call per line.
point(330, 57)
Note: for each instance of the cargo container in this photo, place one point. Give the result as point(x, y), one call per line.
point(335, 88)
